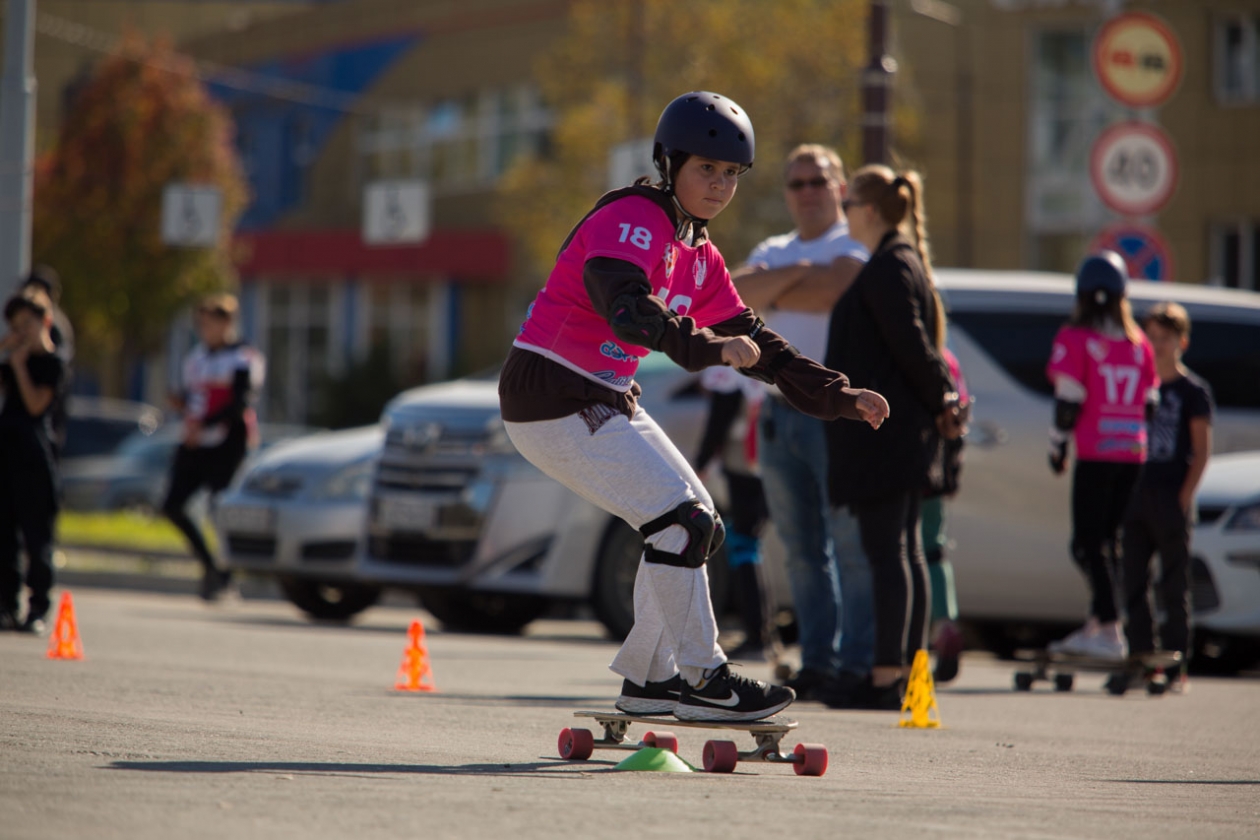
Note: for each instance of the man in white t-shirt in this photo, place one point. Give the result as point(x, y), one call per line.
point(794, 280)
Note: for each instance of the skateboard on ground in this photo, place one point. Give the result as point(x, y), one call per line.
point(1146, 670)
point(718, 756)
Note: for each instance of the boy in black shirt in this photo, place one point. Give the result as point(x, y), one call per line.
point(1161, 511)
point(31, 378)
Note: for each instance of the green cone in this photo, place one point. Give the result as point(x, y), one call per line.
point(655, 759)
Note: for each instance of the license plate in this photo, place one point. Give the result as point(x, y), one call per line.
point(247, 520)
point(406, 514)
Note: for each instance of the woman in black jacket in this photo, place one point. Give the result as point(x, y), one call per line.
point(884, 334)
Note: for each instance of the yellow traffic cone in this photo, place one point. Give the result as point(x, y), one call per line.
point(920, 699)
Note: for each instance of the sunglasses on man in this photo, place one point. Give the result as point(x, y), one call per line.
point(798, 184)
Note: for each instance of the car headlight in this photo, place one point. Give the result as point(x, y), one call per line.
point(1246, 518)
point(348, 484)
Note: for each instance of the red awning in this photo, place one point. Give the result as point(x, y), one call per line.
point(481, 255)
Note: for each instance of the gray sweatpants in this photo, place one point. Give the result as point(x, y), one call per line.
point(631, 469)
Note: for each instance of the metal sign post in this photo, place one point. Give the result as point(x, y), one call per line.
point(17, 141)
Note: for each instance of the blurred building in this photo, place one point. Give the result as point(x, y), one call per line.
point(333, 96)
point(1014, 108)
point(379, 92)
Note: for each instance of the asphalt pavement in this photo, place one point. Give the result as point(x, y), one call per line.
point(245, 720)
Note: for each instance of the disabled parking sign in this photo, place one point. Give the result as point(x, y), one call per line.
point(1143, 248)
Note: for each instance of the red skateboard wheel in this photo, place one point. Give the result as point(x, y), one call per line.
point(662, 740)
point(576, 744)
point(811, 759)
point(720, 756)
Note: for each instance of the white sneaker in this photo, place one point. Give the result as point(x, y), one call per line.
point(1077, 641)
point(1107, 643)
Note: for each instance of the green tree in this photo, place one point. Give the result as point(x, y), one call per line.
point(141, 120)
point(794, 66)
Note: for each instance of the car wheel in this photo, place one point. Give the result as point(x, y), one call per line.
point(466, 611)
point(612, 596)
point(1222, 655)
point(328, 601)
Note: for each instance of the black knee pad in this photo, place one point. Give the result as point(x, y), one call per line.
point(704, 534)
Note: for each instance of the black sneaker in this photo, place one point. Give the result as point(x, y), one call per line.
point(808, 683)
point(214, 585)
point(846, 690)
point(654, 698)
point(727, 696)
point(887, 698)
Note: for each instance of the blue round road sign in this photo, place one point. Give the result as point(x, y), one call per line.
point(1144, 250)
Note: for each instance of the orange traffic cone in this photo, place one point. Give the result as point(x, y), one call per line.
point(65, 643)
point(414, 673)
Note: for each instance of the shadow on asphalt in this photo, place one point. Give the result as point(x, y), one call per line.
point(543, 768)
point(563, 701)
point(1245, 782)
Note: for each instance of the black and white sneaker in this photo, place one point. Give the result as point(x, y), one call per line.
point(728, 696)
point(654, 698)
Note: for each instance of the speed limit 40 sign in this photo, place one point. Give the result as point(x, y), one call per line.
point(1134, 168)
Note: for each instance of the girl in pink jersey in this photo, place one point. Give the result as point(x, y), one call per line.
point(637, 274)
point(1105, 386)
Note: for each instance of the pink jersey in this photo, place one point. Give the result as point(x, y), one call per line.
point(562, 323)
point(1117, 376)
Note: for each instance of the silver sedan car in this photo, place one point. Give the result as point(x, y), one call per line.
point(296, 512)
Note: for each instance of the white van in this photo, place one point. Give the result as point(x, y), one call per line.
point(1010, 521)
point(490, 541)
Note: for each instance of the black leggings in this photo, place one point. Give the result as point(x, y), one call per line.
point(212, 468)
point(899, 577)
point(1100, 496)
point(28, 513)
point(1156, 523)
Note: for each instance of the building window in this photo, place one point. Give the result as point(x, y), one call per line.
point(300, 346)
point(1238, 60)
point(457, 143)
point(1234, 249)
point(1067, 111)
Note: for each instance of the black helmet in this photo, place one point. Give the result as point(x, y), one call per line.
point(1103, 272)
point(704, 124)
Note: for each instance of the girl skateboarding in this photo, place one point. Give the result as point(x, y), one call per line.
point(638, 274)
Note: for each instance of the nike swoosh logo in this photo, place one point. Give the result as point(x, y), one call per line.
point(731, 701)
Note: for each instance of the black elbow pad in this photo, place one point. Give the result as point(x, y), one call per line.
point(631, 324)
point(1066, 414)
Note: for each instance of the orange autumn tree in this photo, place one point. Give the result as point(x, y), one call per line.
point(142, 120)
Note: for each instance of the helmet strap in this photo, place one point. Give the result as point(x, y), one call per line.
point(690, 229)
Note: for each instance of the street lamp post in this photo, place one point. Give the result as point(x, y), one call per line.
point(17, 141)
point(877, 81)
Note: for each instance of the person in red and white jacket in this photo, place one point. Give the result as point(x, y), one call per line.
point(221, 377)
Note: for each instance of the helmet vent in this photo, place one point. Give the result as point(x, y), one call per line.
point(713, 132)
point(742, 137)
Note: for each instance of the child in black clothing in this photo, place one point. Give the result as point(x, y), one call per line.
point(1161, 509)
point(31, 378)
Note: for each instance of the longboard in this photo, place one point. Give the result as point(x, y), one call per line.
point(718, 756)
point(1146, 670)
